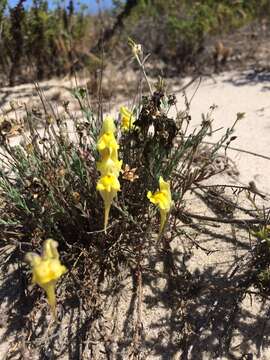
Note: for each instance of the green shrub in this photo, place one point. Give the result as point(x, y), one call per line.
point(38, 43)
point(176, 29)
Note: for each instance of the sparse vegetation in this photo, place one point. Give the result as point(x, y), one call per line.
point(177, 30)
point(97, 203)
point(49, 190)
point(40, 42)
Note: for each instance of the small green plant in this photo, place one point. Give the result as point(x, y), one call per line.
point(262, 258)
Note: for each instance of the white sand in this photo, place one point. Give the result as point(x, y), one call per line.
point(232, 94)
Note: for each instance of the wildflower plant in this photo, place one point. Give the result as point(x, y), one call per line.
point(82, 175)
point(127, 119)
point(64, 187)
point(109, 166)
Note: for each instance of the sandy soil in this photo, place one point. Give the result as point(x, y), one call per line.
point(215, 316)
point(235, 92)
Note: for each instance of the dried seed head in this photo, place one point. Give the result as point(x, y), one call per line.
point(29, 148)
point(129, 174)
point(76, 197)
point(62, 172)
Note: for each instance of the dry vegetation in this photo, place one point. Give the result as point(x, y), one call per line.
point(39, 42)
point(197, 288)
point(131, 292)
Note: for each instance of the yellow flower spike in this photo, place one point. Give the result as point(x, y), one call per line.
point(108, 186)
point(163, 199)
point(46, 270)
point(107, 145)
point(108, 126)
point(109, 166)
point(127, 119)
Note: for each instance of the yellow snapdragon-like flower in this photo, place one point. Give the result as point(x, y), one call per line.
point(127, 119)
point(109, 165)
point(46, 270)
point(163, 199)
point(108, 126)
point(107, 145)
point(108, 186)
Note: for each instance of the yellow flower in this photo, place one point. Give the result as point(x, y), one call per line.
point(47, 269)
point(108, 126)
point(127, 119)
point(109, 166)
point(108, 186)
point(163, 199)
point(107, 145)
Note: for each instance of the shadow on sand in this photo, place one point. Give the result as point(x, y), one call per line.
point(203, 312)
point(252, 77)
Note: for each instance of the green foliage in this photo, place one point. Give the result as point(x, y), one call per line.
point(3, 5)
point(262, 258)
point(177, 29)
point(39, 42)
